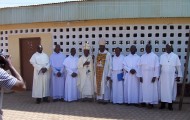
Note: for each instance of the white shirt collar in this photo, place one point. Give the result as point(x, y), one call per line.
point(105, 51)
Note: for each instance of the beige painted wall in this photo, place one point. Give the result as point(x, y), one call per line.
point(13, 40)
point(14, 48)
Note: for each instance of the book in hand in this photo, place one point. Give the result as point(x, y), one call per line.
point(58, 69)
point(120, 76)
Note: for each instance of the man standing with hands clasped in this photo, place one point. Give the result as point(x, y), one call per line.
point(148, 73)
point(131, 83)
point(170, 65)
point(70, 63)
point(58, 76)
point(41, 78)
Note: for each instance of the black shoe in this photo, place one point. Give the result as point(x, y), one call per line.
point(150, 106)
point(55, 100)
point(136, 105)
point(89, 100)
point(62, 100)
point(163, 105)
point(104, 103)
point(100, 101)
point(38, 100)
point(45, 99)
point(171, 109)
point(143, 104)
point(170, 106)
point(84, 99)
point(127, 104)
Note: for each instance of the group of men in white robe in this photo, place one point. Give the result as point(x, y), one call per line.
point(119, 79)
point(67, 81)
point(147, 80)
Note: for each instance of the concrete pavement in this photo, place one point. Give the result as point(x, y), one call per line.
point(20, 106)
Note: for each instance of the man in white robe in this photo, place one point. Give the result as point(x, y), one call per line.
point(170, 64)
point(131, 83)
point(103, 74)
point(70, 63)
point(41, 78)
point(57, 76)
point(148, 73)
point(86, 75)
point(117, 77)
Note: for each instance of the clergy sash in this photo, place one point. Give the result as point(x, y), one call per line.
point(101, 58)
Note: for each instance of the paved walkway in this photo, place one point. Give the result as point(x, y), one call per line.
point(20, 106)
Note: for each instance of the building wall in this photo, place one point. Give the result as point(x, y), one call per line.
point(96, 9)
point(14, 48)
point(117, 32)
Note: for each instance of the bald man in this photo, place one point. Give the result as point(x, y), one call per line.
point(41, 77)
point(57, 76)
point(131, 83)
point(170, 65)
point(148, 73)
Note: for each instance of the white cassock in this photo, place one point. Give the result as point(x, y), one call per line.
point(85, 77)
point(71, 92)
point(131, 83)
point(148, 68)
point(41, 81)
point(117, 85)
point(58, 83)
point(170, 63)
point(105, 92)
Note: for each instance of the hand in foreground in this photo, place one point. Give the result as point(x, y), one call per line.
point(6, 61)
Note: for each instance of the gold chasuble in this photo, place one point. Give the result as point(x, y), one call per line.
point(101, 58)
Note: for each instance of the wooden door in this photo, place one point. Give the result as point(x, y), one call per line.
point(27, 49)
